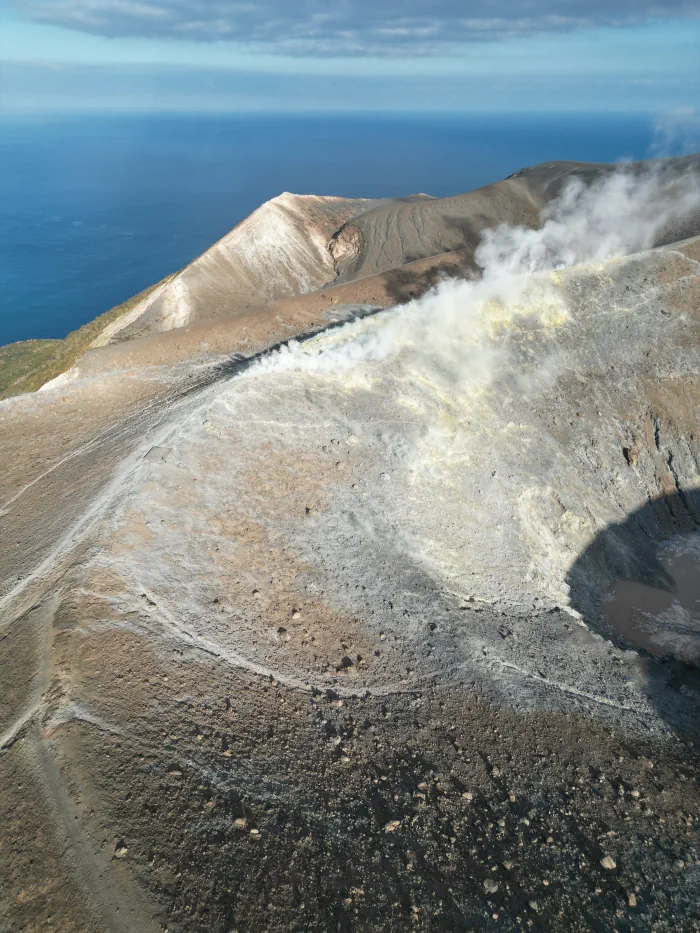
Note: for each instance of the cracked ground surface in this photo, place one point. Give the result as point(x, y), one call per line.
point(295, 647)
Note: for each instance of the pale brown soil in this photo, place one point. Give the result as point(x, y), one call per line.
point(235, 699)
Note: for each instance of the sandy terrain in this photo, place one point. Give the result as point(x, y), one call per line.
point(309, 635)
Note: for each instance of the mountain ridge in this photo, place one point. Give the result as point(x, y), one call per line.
point(304, 607)
point(296, 245)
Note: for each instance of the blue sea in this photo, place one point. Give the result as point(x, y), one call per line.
point(95, 208)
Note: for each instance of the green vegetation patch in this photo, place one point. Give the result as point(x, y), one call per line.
point(28, 365)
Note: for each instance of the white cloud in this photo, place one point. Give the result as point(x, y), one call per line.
point(346, 27)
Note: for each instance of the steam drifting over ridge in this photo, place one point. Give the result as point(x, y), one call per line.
point(453, 327)
point(350, 604)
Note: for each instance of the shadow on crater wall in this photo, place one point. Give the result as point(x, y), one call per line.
point(629, 550)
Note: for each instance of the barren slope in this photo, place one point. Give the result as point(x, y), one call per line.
point(296, 244)
point(314, 638)
point(386, 251)
point(324, 611)
point(388, 236)
point(280, 250)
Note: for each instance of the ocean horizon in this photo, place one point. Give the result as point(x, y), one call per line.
point(96, 207)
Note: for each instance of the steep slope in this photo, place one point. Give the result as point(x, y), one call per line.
point(257, 328)
point(326, 612)
point(296, 244)
point(388, 235)
point(344, 251)
point(280, 250)
point(315, 638)
point(27, 365)
point(381, 236)
point(391, 235)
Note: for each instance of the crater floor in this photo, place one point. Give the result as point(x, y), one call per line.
point(316, 640)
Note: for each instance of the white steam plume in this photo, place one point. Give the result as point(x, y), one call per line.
point(618, 214)
point(676, 132)
point(452, 328)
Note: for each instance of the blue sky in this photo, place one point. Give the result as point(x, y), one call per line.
point(301, 55)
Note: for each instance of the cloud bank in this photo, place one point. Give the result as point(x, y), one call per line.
point(347, 27)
